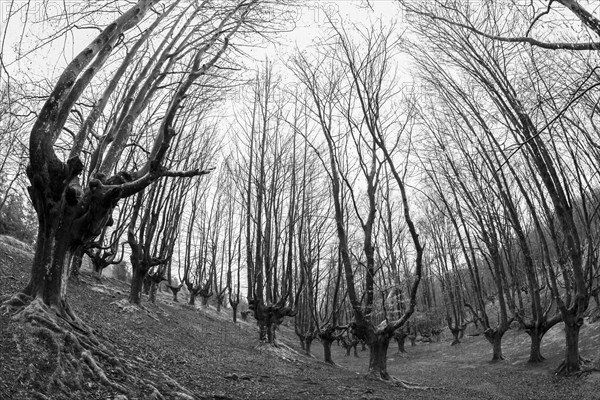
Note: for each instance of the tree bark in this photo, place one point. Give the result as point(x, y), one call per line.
point(49, 274)
point(572, 362)
point(535, 351)
point(234, 307)
point(97, 269)
point(455, 334)
point(152, 292)
point(494, 336)
point(76, 261)
point(192, 299)
point(137, 282)
point(307, 344)
point(401, 342)
point(378, 348)
point(327, 350)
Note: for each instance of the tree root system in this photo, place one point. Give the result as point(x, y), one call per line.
point(585, 366)
point(387, 378)
point(70, 359)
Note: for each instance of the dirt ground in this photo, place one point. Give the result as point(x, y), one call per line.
point(194, 353)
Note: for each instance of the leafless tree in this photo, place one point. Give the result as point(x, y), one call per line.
point(357, 80)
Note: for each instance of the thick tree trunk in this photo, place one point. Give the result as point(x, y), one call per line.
point(137, 282)
point(327, 351)
point(497, 348)
point(572, 362)
point(378, 356)
point(262, 332)
point(50, 272)
point(175, 290)
point(455, 335)
point(535, 351)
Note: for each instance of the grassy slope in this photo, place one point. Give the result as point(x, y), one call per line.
point(202, 353)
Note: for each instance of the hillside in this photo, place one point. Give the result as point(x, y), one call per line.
point(179, 352)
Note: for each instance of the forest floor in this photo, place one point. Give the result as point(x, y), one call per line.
point(195, 353)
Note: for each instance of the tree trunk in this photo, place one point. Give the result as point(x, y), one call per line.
point(535, 352)
point(192, 299)
point(50, 272)
point(308, 344)
point(204, 301)
point(378, 356)
point(146, 283)
point(137, 282)
point(97, 271)
point(152, 292)
point(76, 261)
point(455, 335)
point(572, 362)
point(271, 333)
point(401, 340)
point(234, 312)
point(496, 342)
point(175, 290)
point(494, 336)
point(302, 342)
point(262, 331)
point(327, 351)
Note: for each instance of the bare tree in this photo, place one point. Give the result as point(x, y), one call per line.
point(365, 68)
point(547, 167)
point(74, 200)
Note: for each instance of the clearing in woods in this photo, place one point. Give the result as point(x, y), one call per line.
point(200, 354)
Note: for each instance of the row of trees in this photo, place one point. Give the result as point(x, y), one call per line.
point(311, 214)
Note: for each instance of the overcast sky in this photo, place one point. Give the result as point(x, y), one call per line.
point(29, 22)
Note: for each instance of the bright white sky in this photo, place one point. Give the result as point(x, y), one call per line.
point(19, 37)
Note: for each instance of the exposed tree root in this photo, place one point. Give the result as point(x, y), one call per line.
point(387, 378)
point(409, 385)
point(564, 370)
point(586, 366)
point(587, 370)
point(70, 360)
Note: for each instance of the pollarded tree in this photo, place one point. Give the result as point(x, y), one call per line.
point(177, 44)
point(69, 215)
point(443, 258)
point(354, 81)
point(456, 24)
point(270, 218)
